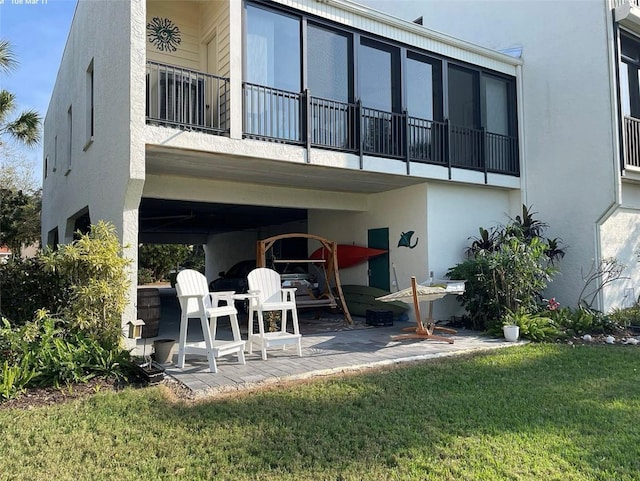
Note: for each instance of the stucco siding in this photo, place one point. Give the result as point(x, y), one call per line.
point(68, 191)
point(399, 210)
point(621, 241)
point(570, 146)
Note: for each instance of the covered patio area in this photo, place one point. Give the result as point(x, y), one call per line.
point(329, 346)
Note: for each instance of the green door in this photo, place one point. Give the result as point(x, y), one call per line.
point(379, 266)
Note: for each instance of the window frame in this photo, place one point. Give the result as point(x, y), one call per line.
point(90, 106)
point(437, 90)
point(351, 62)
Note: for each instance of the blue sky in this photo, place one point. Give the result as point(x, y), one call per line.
point(37, 32)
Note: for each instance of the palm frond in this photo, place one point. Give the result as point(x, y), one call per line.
point(26, 128)
point(7, 104)
point(7, 60)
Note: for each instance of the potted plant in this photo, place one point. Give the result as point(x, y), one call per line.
point(510, 325)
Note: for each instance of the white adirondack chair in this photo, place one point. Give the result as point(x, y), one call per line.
point(267, 294)
point(197, 302)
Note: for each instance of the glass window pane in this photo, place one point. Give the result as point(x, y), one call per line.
point(419, 77)
point(273, 49)
point(463, 97)
point(328, 69)
point(374, 73)
point(497, 102)
point(625, 100)
point(629, 48)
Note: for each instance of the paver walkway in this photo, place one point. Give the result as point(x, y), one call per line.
point(323, 354)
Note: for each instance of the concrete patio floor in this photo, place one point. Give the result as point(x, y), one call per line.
point(329, 346)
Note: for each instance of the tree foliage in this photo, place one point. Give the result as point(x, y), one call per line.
point(20, 200)
point(26, 285)
point(25, 127)
point(19, 218)
point(160, 259)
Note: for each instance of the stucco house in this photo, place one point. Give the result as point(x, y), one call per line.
point(224, 122)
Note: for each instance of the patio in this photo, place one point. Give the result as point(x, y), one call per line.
point(329, 346)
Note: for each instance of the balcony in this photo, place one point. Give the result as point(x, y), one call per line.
point(300, 119)
point(186, 99)
point(197, 101)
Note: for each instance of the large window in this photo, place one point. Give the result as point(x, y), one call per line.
point(329, 64)
point(273, 49)
point(379, 76)
point(273, 71)
point(423, 80)
point(630, 97)
point(464, 105)
point(329, 74)
point(496, 95)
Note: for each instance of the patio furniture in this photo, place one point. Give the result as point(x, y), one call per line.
point(415, 294)
point(197, 302)
point(270, 296)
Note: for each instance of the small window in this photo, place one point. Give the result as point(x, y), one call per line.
point(55, 154)
point(70, 139)
point(46, 166)
point(52, 239)
point(90, 106)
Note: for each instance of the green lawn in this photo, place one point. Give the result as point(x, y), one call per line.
point(525, 413)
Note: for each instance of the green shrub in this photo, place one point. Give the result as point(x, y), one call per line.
point(507, 269)
point(26, 286)
point(97, 273)
point(145, 276)
point(44, 352)
point(509, 278)
point(629, 316)
point(585, 321)
point(536, 327)
point(15, 378)
point(162, 258)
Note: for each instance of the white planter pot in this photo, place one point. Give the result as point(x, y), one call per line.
point(511, 333)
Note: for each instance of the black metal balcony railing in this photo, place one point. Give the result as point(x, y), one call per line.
point(632, 142)
point(187, 99)
point(501, 153)
point(298, 118)
point(382, 133)
point(272, 114)
point(333, 124)
point(427, 140)
point(191, 100)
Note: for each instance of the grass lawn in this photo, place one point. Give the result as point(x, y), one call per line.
point(537, 412)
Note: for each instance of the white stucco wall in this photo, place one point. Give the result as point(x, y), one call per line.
point(621, 240)
point(399, 210)
point(105, 174)
point(570, 150)
point(454, 214)
point(442, 215)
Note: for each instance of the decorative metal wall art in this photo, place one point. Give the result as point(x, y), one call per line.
point(405, 240)
point(163, 34)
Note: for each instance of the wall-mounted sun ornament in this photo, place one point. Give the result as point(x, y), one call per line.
point(163, 34)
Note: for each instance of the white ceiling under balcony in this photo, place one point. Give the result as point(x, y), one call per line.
point(203, 165)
